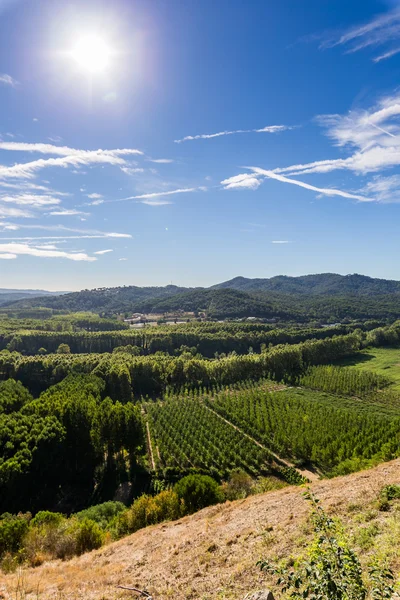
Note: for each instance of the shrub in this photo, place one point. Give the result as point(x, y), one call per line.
point(149, 510)
point(89, 536)
point(12, 531)
point(239, 485)
point(45, 517)
point(102, 514)
point(333, 569)
point(198, 491)
point(388, 493)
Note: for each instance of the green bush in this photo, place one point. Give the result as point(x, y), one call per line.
point(388, 493)
point(198, 491)
point(12, 531)
point(89, 536)
point(149, 510)
point(239, 485)
point(102, 514)
point(45, 517)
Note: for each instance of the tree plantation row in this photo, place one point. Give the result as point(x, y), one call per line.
point(126, 375)
point(205, 339)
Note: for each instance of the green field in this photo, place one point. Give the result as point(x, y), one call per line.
point(384, 361)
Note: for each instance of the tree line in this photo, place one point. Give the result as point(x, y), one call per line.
point(125, 374)
point(173, 340)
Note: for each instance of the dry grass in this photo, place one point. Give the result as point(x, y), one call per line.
point(212, 554)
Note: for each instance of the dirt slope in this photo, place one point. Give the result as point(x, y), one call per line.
point(212, 554)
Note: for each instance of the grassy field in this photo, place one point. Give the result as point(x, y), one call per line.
point(385, 361)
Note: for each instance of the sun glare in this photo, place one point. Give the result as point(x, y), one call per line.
point(92, 54)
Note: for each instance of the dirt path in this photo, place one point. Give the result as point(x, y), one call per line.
point(304, 472)
point(153, 464)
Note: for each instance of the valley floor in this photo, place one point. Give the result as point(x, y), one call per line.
point(213, 553)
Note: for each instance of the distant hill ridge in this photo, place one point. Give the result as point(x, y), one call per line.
point(321, 284)
point(325, 295)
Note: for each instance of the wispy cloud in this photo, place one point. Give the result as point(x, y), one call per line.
point(373, 136)
point(383, 31)
point(104, 251)
point(161, 161)
point(63, 150)
point(66, 157)
point(383, 189)
point(13, 250)
point(242, 181)
point(209, 136)
point(307, 186)
point(149, 196)
point(156, 202)
point(61, 229)
point(281, 242)
point(8, 80)
point(8, 211)
point(132, 170)
point(67, 212)
point(34, 200)
point(262, 174)
point(94, 196)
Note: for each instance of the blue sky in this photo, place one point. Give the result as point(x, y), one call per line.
point(199, 141)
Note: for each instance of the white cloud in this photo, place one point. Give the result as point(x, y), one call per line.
point(82, 233)
point(132, 170)
point(383, 189)
point(280, 242)
point(372, 136)
point(158, 194)
point(156, 202)
point(244, 180)
point(41, 148)
point(382, 31)
point(95, 203)
point(307, 186)
point(24, 249)
point(386, 55)
point(7, 211)
point(104, 251)
point(122, 259)
point(94, 196)
point(47, 246)
point(7, 256)
point(66, 157)
point(30, 185)
point(36, 201)
point(67, 212)
point(161, 161)
point(208, 136)
point(8, 80)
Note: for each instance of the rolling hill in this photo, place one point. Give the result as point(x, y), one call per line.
point(13, 295)
point(330, 284)
point(324, 296)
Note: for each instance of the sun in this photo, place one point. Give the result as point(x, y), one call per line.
point(92, 54)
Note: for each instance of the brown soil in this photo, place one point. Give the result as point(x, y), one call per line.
point(213, 553)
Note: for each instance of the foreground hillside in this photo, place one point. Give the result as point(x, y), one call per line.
point(213, 554)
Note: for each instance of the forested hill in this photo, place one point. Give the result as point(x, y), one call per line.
point(325, 296)
point(11, 295)
point(117, 299)
point(330, 284)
